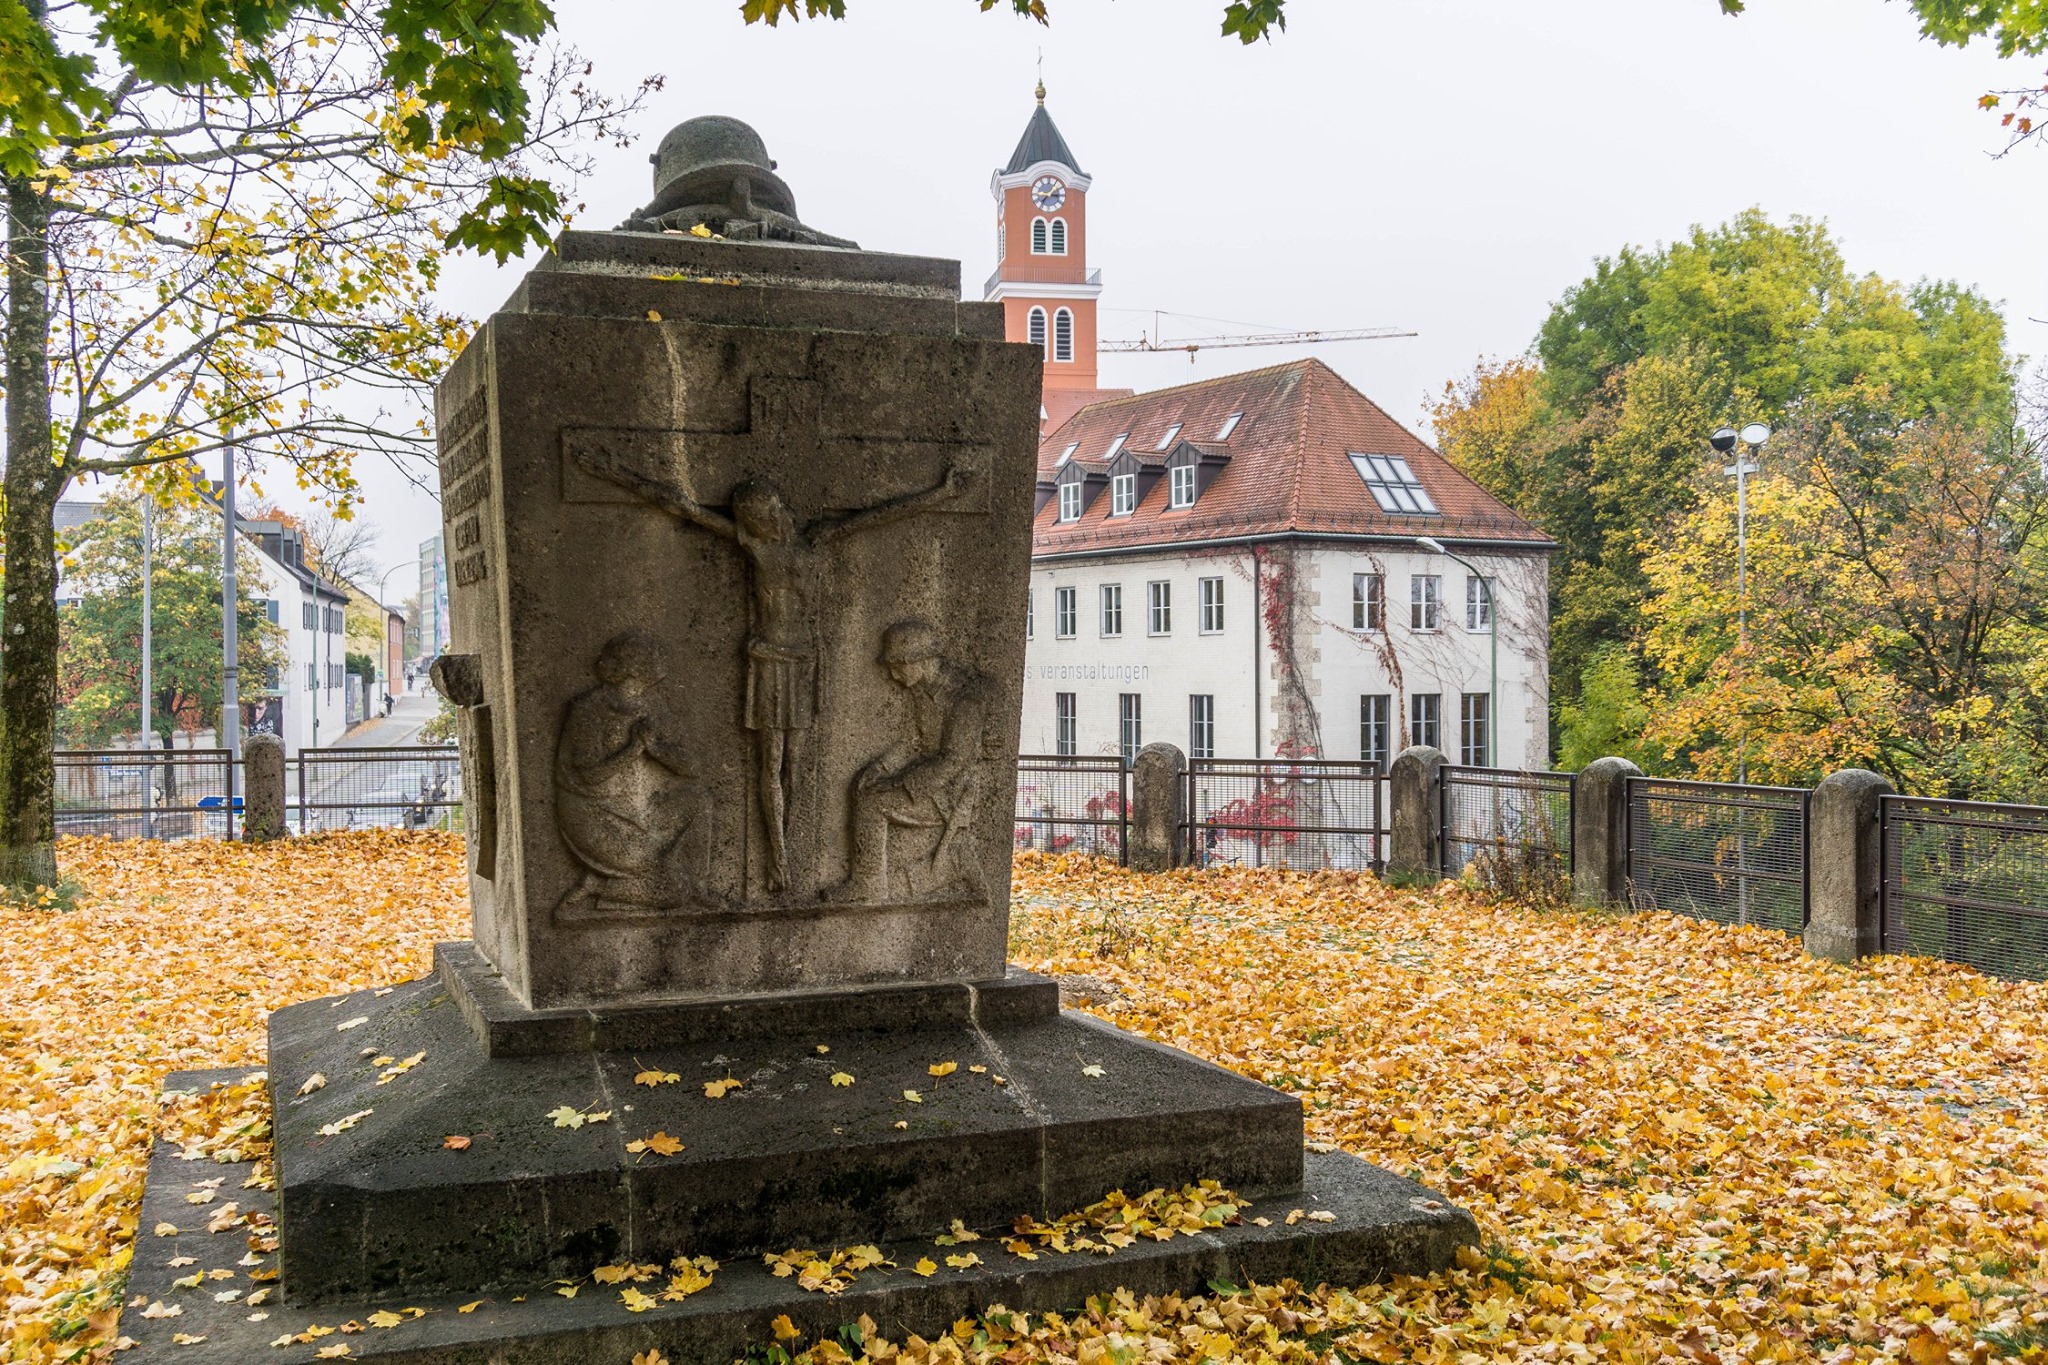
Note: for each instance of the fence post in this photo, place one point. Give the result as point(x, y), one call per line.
point(1415, 791)
point(1158, 838)
point(262, 788)
point(1845, 872)
point(1600, 832)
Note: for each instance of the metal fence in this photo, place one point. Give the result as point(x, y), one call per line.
point(1514, 825)
point(147, 793)
point(1286, 812)
point(391, 788)
point(1073, 803)
point(1967, 881)
point(1735, 854)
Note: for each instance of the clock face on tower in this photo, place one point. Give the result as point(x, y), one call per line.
point(1048, 193)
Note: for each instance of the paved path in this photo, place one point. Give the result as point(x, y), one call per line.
point(402, 726)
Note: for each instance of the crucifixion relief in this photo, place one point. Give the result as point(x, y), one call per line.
point(785, 558)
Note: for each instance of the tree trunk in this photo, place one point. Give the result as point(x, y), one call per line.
point(28, 664)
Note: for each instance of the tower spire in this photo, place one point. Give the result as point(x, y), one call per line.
point(1041, 77)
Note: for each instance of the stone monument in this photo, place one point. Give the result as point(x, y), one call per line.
point(739, 524)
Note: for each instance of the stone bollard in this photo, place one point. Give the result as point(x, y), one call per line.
point(1159, 787)
point(1845, 873)
point(1600, 832)
point(1415, 799)
point(262, 788)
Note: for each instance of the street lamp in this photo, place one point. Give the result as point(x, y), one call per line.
point(384, 649)
point(1727, 440)
point(1435, 546)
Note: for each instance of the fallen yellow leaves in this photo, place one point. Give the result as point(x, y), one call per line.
point(661, 1144)
point(828, 1273)
point(566, 1117)
point(841, 1078)
point(457, 1142)
point(654, 1078)
point(1866, 1181)
point(718, 1090)
point(943, 1068)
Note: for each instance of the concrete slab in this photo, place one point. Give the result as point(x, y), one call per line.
point(1380, 1225)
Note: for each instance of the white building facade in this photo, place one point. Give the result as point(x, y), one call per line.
point(1235, 567)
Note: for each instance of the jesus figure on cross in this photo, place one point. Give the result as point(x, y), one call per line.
point(781, 652)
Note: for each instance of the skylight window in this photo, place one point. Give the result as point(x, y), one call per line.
point(1229, 425)
point(1394, 485)
point(1166, 441)
point(1066, 455)
point(1115, 446)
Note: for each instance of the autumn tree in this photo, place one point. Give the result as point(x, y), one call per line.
point(99, 680)
point(222, 233)
point(1895, 610)
point(1599, 435)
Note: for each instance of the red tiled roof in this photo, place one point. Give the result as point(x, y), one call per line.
point(1060, 404)
point(1289, 468)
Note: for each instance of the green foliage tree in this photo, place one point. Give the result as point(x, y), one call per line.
point(1600, 436)
point(100, 678)
point(224, 225)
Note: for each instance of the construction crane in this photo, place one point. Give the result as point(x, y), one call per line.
point(1306, 338)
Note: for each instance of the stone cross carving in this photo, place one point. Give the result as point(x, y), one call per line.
point(785, 555)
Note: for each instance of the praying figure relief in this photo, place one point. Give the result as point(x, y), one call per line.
point(625, 794)
point(913, 805)
point(784, 559)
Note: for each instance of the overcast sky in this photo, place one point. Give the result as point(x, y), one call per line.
point(1446, 167)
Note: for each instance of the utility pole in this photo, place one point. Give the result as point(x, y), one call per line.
point(231, 701)
point(148, 650)
point(1727, 440)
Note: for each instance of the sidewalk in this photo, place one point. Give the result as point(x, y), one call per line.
point(402, 726)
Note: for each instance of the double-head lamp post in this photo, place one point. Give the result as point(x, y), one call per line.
point(1435, 546)
point(1729, 441)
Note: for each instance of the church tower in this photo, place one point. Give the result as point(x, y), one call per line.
point(1042, 277)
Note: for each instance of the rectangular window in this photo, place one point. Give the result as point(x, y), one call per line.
point(1123, 495)
point(1201, 727)
point(273, 610)
point(1368, 601)
point(1064, 613)
point(1112, 610)
point(1375, 712)
point(1472, 746)
point(1066, 721)
point(1393, 485)
point(1478, 602)
point(1229, 425)
point(1030, 601)
point(312, 677)
point(1212, 606)
point(1129, 726)
point(1180, 486)
point(1166, 441)
point(1159, 608)
point(1426, 602)
point(1114, 447)
point(1425, 715)
point(307, 617)
point(1070, 501)
point(1066, 455)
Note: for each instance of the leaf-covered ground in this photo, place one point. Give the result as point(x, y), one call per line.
point(1682, 1142)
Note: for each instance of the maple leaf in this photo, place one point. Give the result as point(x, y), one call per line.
point(650, 1356)
point(601, 1116)
point(654, 1078)
point(661, 1144)
point(913, 1097)
point(385, 1318)
point(166, 1229)
point(160, 1309)
point(177, 1261)
point(926, 1266)
point(977, 1069)
point(471, 1306)
point(356, 1022)
point(1091, 1071)
point(334, 1352)
point(191, 1281)
point(635, 1300)
point(822, 1049)
point(963, 1260)
point(785, 1330)
point(943, 1068)
point(565, 1117)
point(841, 1078)
point(456, 1142)
point(313, 1082)
point(689, 1278)
point(186, 1339)
point(717, 1090)
point(342, 1125)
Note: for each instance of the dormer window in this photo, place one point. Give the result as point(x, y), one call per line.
point(1115, 446)
point(1180, 486)
point(1123, 495)
point(1070, 500)
point(1229, 425)
point(1394, 486)
point(1166, 441)
point(1059, 236)
point(1038, 237)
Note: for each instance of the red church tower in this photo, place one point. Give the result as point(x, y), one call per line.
point(1042, 276)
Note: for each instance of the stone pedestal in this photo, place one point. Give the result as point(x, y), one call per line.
point(1846, 866)
point(1600, 833)
point(739, 542)
point(1415, 814)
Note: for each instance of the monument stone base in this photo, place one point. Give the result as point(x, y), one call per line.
point(1359, 1224)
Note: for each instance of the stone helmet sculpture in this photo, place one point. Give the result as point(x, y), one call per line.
point(701, 157)
point(714, 173)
